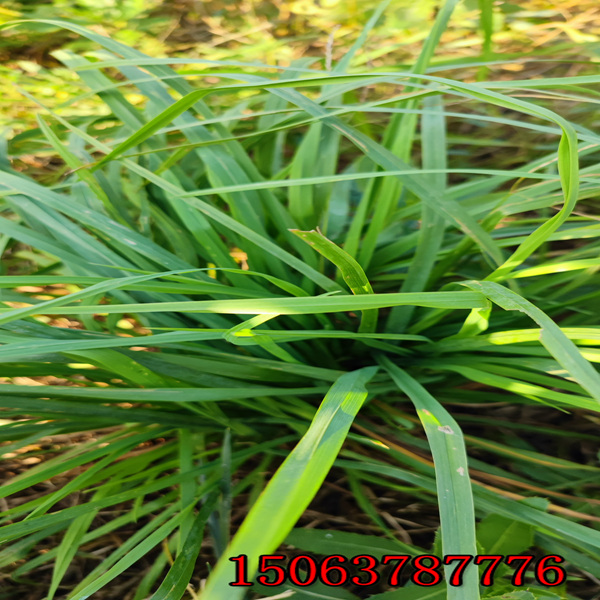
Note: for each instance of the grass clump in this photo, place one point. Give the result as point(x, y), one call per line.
point(310, 310)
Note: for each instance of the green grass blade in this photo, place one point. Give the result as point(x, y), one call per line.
point(351, 271)
point(431, 233)
point(288, 306)
point(175, 583)
point(400, 134)
point(551, 336)
point(455, 498)
point(293, 486)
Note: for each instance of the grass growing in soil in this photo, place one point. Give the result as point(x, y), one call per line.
point(297, 310)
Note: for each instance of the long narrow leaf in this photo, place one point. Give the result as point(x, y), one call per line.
point(293, 486)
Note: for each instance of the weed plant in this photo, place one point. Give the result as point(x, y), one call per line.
point(280, 312)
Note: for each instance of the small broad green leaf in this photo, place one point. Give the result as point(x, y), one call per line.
point(499, 535)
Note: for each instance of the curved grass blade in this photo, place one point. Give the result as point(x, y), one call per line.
point(352, 272)
point(379, 154)
point(553, 339)
point(455, 497)
point(294, 484)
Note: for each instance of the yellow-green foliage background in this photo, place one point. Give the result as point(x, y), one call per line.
point(275, 33)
